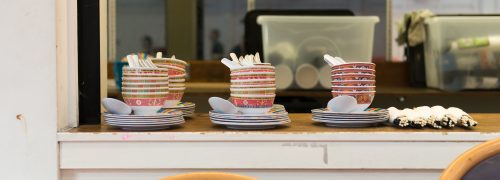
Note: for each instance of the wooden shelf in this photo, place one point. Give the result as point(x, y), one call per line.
point(301, 127)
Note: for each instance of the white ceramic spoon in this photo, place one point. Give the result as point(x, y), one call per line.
point(257, 58)
point(222, 106)
point(328, 60)
point(130, 61)
point(115, 106)
point(233, 57)
point(159, 54)
point(230, 64)
point(342, 104)
point(150, 63)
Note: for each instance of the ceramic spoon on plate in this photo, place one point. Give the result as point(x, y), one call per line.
point(342, 104)
point(115, 106)
point(222, 106)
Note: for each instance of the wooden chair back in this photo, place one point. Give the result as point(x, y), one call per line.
point(471, 158)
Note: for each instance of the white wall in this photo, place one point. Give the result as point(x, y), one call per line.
point(28, 147)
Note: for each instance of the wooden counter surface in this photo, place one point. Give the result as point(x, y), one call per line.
point(302, 123)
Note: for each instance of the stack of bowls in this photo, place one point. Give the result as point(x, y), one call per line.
point(177, 78)
point(356, 79)
point(145, 89)
point(253, 88)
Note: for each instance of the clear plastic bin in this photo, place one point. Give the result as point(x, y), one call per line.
point(299, 42)
point(462, 52)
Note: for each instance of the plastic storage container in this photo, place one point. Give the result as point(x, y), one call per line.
point(462, 52)
point(299, 43)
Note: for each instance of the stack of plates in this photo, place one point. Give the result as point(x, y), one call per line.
point(164, 120)
point(275, 117)
point(370, 117)
point(187, 108)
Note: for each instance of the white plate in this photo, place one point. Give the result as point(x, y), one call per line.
point(140, 121)
point(365, 113)
point(351, 125)
point(144, 123)
point(146, 128)
point(349, 121)
point(244, 127)
point(250, 120)
point(250, 124)
point(325, 79)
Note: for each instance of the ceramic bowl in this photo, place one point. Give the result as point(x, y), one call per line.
point(364, 99)
point(262, 64)
point(174, 96)
point(253, 77)
point(173, 70)
point(177, 85)
point(253, 86)
point(169, 61)
point(284, 76)
point(145, 85)
point(253, 104)
point(144, 90)
point(350, 77)
point(253, 69)
point(177, 80)
point(142, 70)
point(253, 81)
point(353, 71)
point(358, 65)
point(145, 103)
point(255, 91)
point(353, 88)
point(354, 83)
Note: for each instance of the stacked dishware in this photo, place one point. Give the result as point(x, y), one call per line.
point(177, 78)
point(145, 89)
point(251, 102)
point(355, 79)
point(369, 117)
point(253, 88)
point(276, 116)
point(353, 90)
point(187, 108)
point(165, 120)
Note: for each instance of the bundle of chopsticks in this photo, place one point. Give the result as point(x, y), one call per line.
point(435, 117)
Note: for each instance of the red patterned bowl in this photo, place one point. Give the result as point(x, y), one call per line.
point(353, 71)
point(169, 61)
point(364, 99)
point(253, 104)
point(359, 65)
point(349, 77)
point(145, 103)
point(353, 88)
point(174, 96)
point(354, 83)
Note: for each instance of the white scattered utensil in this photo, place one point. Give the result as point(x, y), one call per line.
point(233, 57)
point(329, 61)
point(159, 54)
point(343, 104)
point(230, 64)
point(115, 106)
point(130, 61)
point(222, 106)
point(257, 58)
point(173, 57)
